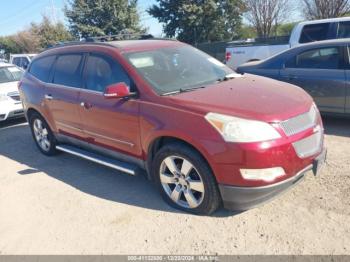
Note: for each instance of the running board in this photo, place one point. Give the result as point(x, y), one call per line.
point(102, 160)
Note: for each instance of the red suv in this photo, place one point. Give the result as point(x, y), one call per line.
point(206, 135)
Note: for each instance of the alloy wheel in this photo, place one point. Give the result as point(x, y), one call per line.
point(41, 135)
point(182, 182)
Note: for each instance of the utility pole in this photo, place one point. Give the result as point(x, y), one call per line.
point(53, 12)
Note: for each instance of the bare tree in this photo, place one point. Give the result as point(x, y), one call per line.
point(319, 9)
point(265, 15)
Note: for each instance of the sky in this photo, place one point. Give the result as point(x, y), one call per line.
point(16, 15)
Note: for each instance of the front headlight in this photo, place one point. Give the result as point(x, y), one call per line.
point(234, 129)
point(3, 97)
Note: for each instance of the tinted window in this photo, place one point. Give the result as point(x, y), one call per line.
point(41, 68)
point(343, 30)
point(102, 72)
point(324, 58)
point(68, 70)
point(16, 61)
point(315, 32)
point(24, 62)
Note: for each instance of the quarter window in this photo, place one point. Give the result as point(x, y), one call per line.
point(323, 58)
point(68, 70)
point(102, 72)
point(41, 68)
point(316, 32)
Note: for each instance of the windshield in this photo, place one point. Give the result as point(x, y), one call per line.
point(177, 69)
point(10, 74)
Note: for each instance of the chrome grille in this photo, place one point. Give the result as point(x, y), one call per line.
point(309, 146)
point(300, 123)
point(14, 95)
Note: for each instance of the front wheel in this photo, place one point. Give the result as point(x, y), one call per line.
point(185, 180)
point(42, 134)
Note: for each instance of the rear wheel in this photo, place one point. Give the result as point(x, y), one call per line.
point(185, 180)
point(42, 134)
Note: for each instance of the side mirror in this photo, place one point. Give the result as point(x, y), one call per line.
point(118, 90)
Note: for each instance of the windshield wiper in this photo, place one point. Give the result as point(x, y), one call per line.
point(182, 90)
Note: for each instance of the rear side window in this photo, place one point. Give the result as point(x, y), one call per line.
point(68, 70)
point(343, 30)
point(16, 61)
point(316, 32)
point(101, 72)
point(41, 68)
point(322, 58)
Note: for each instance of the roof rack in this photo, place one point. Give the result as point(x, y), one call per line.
point(109, 38)
point(117, 37)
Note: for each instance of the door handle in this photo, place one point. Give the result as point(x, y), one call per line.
point(86, 105)
point(48, 97)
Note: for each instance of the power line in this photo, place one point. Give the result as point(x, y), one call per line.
point(20, 13)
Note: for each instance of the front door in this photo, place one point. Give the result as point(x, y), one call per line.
point(109, 123)
point(320, 73)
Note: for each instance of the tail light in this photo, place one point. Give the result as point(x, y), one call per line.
point(228, 56)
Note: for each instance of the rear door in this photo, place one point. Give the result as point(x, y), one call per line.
point(110, 123)
point(320, 72)
point(63, 92)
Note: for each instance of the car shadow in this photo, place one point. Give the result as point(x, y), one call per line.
point(16, 143)
point(336, 126)
point(12, 122)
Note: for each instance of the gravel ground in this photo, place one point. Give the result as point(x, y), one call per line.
point(65, 205)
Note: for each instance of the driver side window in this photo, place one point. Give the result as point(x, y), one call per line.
point(101, 71)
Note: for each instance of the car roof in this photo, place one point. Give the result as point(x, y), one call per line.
point(342, 41)
point(121, 45)
point(329, 20)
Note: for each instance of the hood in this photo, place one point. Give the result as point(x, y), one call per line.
point(8, 87)
point(251, 97)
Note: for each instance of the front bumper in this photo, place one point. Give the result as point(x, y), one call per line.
point(11, 110)
point(244, 198)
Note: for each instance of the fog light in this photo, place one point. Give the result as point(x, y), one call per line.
point(267, 174)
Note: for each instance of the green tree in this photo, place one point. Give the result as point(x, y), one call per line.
point(103, 17)
point(285, 29)
point(49, 33)
point(247, 31)
point(9, 45)
point(196, 21)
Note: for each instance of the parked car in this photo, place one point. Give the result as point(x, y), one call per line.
point(321, 69)
point(203, 133)
point(10, 103)
point(21, 60)
point(304, 32)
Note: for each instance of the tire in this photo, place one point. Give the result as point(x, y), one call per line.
point(42, 135)
point(191, 185)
